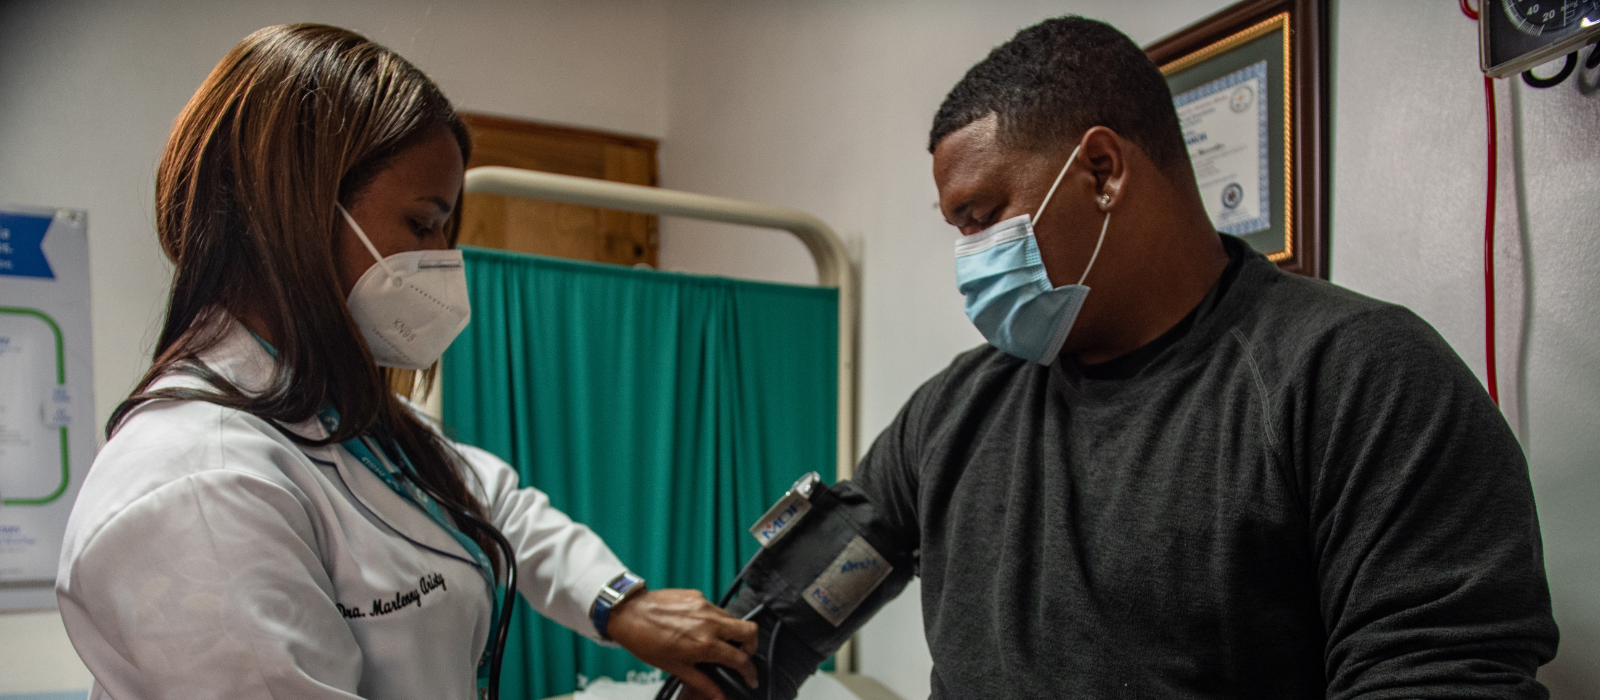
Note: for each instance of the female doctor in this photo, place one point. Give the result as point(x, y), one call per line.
point(268, 519)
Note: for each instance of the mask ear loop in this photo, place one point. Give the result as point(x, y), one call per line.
point(1103, 226)
point(1057, 183)
point(1096, 254)
point(368, 243)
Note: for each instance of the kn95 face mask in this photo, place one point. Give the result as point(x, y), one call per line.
point(409, 306)
point(1009, 295)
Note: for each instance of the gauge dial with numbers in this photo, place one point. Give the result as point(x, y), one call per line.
point(1538, 17)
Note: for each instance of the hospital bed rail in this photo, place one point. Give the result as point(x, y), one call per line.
point(834, 267)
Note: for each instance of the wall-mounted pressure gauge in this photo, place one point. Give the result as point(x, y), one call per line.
point(1516, 35)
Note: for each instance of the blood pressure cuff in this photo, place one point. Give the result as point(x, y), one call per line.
point(828, 563)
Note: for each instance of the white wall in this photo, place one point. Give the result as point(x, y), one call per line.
point(825, 105)
point(1408, 197)
point(90, 89)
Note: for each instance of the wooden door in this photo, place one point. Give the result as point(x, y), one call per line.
point(551, 228)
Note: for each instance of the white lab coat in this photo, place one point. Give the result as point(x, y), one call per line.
point(208, 556)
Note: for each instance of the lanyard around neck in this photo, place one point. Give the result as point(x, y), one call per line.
point(404, 487)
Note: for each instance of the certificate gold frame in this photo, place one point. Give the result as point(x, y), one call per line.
point(1290, 36)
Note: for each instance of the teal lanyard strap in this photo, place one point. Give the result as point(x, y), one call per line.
point(386, 472)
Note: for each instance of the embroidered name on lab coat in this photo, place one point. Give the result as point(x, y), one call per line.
point(401, 599)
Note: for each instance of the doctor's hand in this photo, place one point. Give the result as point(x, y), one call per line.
point(674, 629)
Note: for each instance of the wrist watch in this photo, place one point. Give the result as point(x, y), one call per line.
point(615, 591)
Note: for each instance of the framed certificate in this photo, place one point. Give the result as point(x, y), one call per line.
point(1249, 83)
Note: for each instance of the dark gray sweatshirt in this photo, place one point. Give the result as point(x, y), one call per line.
point(1297, 492)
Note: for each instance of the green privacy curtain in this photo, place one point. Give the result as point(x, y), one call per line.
point(665, 411)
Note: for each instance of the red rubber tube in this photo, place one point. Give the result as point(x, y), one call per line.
point(1492, 381)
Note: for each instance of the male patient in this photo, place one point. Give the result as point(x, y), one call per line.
point(1206, 477)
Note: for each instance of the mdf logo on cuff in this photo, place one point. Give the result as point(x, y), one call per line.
point(846, 583)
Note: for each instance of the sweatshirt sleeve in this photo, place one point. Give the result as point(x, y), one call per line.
point(209, 587)
point(889, 473)
point(1422, 521)
point(561, 564)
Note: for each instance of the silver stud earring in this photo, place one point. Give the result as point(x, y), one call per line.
point(1105, 200)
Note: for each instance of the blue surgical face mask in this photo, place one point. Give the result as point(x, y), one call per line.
point(1009, 295)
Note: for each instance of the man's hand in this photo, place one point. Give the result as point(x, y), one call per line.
point(674, 629)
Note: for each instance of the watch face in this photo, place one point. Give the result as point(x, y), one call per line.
point(1538, 17)
point(621, 584)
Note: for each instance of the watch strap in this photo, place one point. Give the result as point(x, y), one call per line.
point(615, 591)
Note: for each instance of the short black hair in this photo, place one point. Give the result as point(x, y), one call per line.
point(1057, 79)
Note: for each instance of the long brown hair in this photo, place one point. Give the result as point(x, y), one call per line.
point(293, 120)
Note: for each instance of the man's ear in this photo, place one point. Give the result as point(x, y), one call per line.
point(1105, 153)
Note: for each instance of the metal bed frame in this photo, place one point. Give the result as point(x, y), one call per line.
point(834, 268)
